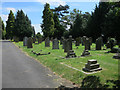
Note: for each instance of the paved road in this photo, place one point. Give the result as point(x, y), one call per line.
point(21, 71)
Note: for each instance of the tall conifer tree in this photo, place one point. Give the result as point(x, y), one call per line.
point(48, 22)
point(10, 25)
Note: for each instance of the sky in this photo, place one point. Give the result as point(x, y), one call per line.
point(34, 8)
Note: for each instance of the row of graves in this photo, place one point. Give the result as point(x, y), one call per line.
point(91, 66)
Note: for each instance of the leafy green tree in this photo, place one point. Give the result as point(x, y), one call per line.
point(22, 26)
point(112, 21)
point(48, 22)
point(61, 10)
point(10, 25)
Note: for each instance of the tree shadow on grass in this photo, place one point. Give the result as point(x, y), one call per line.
point(93, 82)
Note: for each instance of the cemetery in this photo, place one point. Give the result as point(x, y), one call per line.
point(78, 44)
point(86, 61)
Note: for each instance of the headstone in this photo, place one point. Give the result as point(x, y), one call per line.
point(61, 40)
point(87, 44)
point(98, 44)
point(92, 65)
point(77, 42)
point(55, 44)
point(85, 53)
point(39, 40)
point(117, 56)
point(16, 39)
point(90, 39)
point(47, 42)
point(34, 39)
point(51, 39)
point(119, 44)
point(70, 42)
point(29, 43)
point(25, 41)
point(66, 45)
point(63, 43)
point(83, 40)
point(70, 54)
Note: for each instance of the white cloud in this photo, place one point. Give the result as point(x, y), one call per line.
point(37, 28)
point(52, 2)
point(13, 9)
point(4, 17)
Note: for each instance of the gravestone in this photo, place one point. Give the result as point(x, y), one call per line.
point(33, 39)
point(25, 41)
point(85, 53)
point(98, 44)
point(47, 42)
point(55, 44)
point(39, 39)
point(87, 44)
point(66, 43)
point(61, 40)
point(51, 39)
point(117, 56)
point(29, 43)
point(119, 44)
point(90, 39)
point(16, 39)
point(77, 42)
point(83, 40)
point(70, 42)
point(92, 65)
point(70, 54)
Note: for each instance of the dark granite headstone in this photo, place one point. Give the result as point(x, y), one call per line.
point(55, 44)
point(98, 44)
point(87, 44)
point(47, 42)
point(29, 43)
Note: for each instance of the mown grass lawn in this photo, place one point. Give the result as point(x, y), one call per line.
point(106, 78)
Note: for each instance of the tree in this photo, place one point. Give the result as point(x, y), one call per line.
point(33, 31)
point(59, 29)
point(77, 29)
point(38, 35)
point(22, 26)
point(10, 25)
point(61, 10)
point(48, 22)
point(2, 29)
point(112, 21)
point(95, 23)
